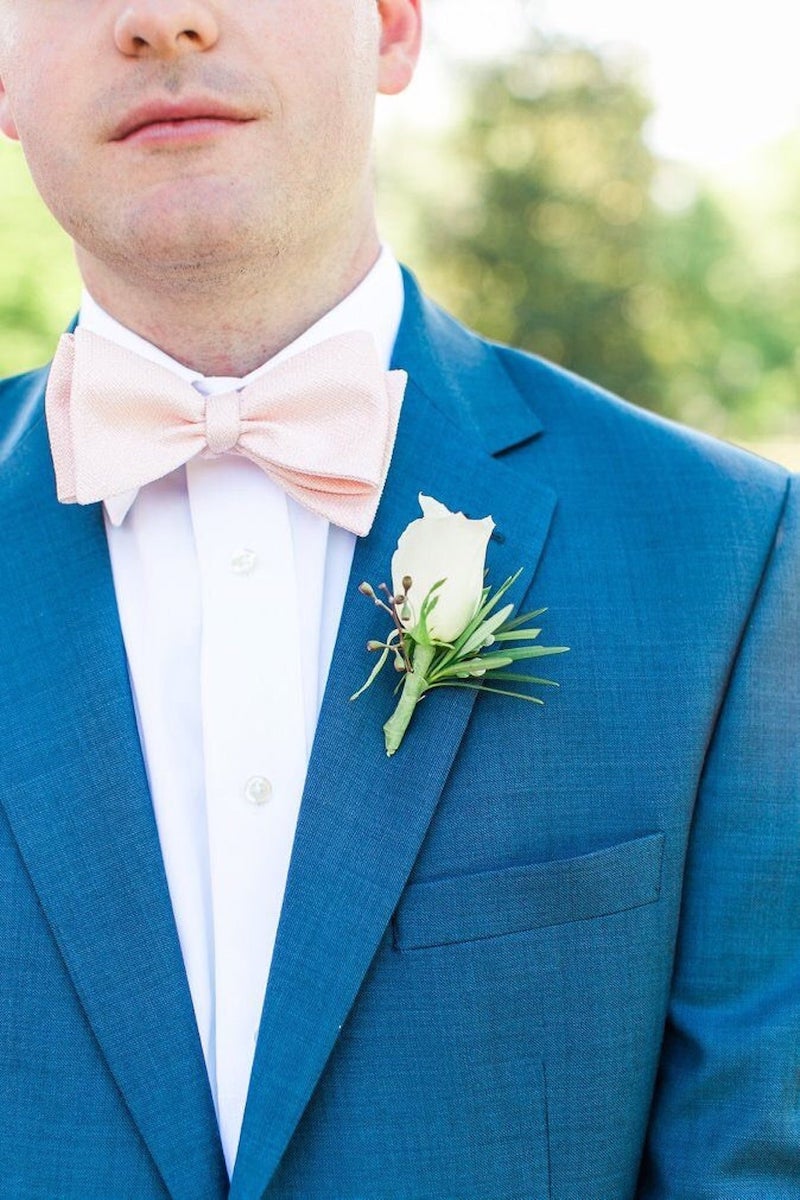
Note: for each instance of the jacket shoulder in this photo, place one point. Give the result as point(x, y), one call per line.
point(21, 407)
point(520, 403)
point(586, 418)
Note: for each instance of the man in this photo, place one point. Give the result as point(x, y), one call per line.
point(537, 952)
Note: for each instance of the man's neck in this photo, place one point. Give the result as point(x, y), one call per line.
point(229, 327)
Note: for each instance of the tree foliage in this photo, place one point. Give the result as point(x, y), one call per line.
point(39, 288)
point(544, 220)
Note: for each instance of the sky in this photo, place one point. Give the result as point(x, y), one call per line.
point(723, 75)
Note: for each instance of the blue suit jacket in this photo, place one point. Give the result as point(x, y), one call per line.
point(541, 953)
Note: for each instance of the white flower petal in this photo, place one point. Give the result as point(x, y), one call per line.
point(434, 508)
point(442, 545)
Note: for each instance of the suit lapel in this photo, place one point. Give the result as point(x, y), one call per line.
point(75, 792)
point(363, 815)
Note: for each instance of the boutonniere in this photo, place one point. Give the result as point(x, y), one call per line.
point(447, 627)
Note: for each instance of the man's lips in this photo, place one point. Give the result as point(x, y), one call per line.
point(164, 120)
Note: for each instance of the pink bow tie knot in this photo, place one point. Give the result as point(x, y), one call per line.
point(223, 422)
point(322, 424)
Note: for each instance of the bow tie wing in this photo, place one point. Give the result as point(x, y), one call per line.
point(115, 420)
point(323, 424)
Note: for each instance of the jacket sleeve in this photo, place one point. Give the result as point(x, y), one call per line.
point(726, 1113)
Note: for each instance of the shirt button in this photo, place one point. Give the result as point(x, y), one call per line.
point(258, 789)
point(244, 562)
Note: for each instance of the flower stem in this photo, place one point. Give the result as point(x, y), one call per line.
point(413, 687)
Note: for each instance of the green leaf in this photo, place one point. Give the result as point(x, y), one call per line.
point(528, 616)
point(516, 635)
point(432, 598)
point(420, 631)
point(507, 692)
point(516, 654)
point(467, 632)
point(480, 618)
point(435, 587)
point(481, 687)
point(493, 601)
point(512, 677)
point(469, 666)
point(488, 603)
point(373, 675)
point(484, 630)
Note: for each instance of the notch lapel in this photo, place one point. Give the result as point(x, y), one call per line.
point(363, 815)
point(73, 784)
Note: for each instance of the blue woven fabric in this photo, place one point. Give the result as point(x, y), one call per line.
point(549, 953)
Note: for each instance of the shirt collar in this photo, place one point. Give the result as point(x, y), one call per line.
point(374, 306)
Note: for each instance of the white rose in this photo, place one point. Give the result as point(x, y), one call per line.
point(448, 546)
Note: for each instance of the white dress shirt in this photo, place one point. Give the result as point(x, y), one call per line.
point(229, 596)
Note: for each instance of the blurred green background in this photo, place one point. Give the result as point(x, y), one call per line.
point(541, 216)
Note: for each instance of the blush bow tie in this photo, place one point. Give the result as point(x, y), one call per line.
point(322, 423)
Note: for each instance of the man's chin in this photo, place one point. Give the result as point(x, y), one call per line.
point(178, 228)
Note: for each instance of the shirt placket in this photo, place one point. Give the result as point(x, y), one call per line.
point(254, 744)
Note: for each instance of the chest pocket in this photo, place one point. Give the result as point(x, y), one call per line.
point(441, 912)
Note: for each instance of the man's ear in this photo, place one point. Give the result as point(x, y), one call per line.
point(401, 35)
point(7, 125)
